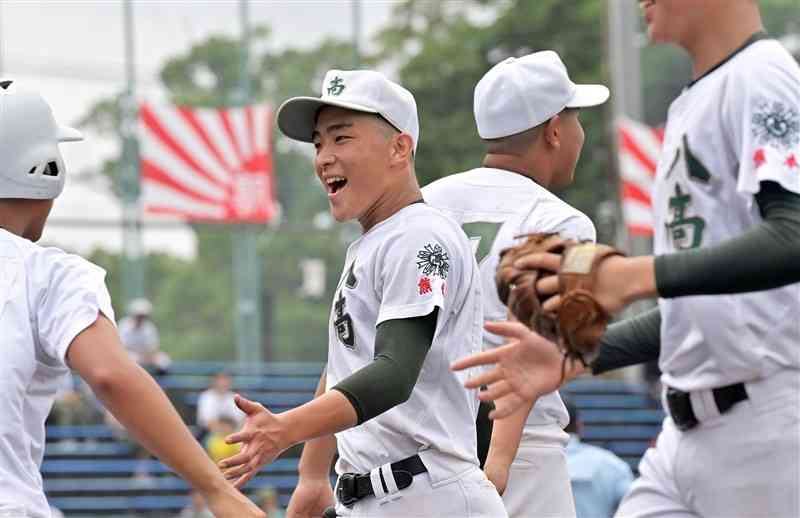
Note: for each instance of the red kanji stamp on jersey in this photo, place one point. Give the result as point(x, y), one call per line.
point(424, 285)
point(791, 162)
point(759, 157)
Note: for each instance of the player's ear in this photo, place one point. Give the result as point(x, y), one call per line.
point(402, 148)
point(551, 131)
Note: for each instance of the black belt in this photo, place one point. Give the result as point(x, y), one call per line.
point(352, 487)
point(680, 405)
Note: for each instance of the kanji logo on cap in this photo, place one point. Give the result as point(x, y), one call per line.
point(358, 90)
point(336, 86)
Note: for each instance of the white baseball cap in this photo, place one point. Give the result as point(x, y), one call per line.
point(359, 90)
point(140, 307)
point(520, 93)
point(31, 165)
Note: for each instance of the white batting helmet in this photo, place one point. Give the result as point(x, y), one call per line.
point(31, 165)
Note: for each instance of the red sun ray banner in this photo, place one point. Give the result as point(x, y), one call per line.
point(639, 148)
point(207, 164)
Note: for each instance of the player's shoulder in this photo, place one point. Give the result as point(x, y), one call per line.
point(763, 62)
point(444, 186)
point(768, 51)
point(549, 213)
point(45, 262)
point(425, 219)
point(419, 226)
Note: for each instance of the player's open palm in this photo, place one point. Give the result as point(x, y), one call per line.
point(310, 498)
point(527, 367)
point(261, 439)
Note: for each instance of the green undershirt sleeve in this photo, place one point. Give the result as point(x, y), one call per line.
point(764, 257)
point(400, 349)
point(630, 342)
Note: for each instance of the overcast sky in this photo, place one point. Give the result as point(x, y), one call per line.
point(73, 52)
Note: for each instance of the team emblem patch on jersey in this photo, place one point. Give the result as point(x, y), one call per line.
point(433, 260)
point(775, 123)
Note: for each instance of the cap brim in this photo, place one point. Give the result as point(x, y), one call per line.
point(588, 95)
point(296, 116)
point(67, 134)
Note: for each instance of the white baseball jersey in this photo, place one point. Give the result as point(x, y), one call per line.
point(519, 206)
point(405, 266)
point(725, 134)
point(47, 297)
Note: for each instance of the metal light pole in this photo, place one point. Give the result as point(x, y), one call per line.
point(356, 6)
point(133, 277)
point(2, 43)
point(626, 87)
point(626, 98)
point(247, 270)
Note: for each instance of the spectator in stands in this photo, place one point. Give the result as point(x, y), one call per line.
point(197, 508)
point(216, 446)
point(267, 501)
point(216, 403)
point(139, 334)
point(599, 478)
point(71, 406)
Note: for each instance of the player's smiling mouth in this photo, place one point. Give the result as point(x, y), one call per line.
point(334, 184)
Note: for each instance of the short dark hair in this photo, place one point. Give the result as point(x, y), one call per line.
point(513, 144)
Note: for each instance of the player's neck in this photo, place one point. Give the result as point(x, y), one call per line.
point(721, 37)
point(519, 165)
point(390, 203)
point(14, 217)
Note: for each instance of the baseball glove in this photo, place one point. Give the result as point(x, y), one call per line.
point(580, 321)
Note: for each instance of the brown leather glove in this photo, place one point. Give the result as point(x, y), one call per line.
point(517, 288)
point(580, 321)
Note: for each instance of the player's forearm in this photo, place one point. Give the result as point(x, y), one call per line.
point(630, 342)
point(317, 457)
point(323, 416)
point(139, 404)
point(506, 435)
point(400, 349)
point(157, 426)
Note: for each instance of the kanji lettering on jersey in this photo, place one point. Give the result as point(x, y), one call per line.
point(759, 157)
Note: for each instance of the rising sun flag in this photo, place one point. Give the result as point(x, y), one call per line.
point(207, 164)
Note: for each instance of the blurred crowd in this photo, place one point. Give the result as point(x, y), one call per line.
point(217, 415)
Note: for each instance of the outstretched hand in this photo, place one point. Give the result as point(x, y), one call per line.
point(262, 438)
point(526, 368)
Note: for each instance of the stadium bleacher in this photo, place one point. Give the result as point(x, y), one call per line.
point(88, 471)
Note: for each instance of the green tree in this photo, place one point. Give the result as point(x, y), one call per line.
point(444, 48)
point(194, 301)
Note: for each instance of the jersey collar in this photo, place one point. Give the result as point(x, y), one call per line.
point(760, 35)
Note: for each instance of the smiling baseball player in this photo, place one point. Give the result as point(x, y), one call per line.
point(526, 111)
point(726, 271)
point(407, 304)
point(55, 314)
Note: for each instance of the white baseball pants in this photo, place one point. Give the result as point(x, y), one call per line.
point(742, 464)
